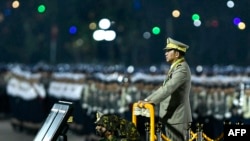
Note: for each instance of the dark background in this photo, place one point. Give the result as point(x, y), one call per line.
point(26, 35)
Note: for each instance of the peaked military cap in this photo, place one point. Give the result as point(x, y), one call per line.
point(173, 44)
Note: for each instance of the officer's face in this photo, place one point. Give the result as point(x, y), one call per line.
point(171, 55)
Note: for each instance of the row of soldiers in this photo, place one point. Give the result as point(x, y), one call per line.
point(214, 98)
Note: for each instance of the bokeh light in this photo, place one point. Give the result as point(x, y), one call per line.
point(109, 35)
point(197, 23)
point(98, 35)
point(241, 25)
point(199, 69)
point(230, 4)
point(156, 30)
point(73, 30)
point(79, 42)
point(15, 4)
point(41, 8)
point(1, 17)
point(127, 21)
point(7, 12)
point(236, 21)
point(146, 35)
point(176, 13)
point(195, 17)
point(215, 23)
point(92, 26)
point(104, 23)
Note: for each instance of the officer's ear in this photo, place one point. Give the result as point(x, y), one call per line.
point(176, 53)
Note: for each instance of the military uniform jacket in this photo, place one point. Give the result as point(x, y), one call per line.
point(173, 96)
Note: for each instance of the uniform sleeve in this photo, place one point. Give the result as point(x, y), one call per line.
point(179, 76)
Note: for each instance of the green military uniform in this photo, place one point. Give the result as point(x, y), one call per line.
point(173, 95)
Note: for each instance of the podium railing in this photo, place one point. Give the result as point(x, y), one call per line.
point(147, 110)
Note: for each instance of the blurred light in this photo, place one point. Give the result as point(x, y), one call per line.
point(120, 78)
point(104, 23)
point(214, 23)
point(110, 35)
point(152, 69)
point(54, 30)
point(98, 35)
point(176, 13)
point(79, 42)
point(236, 20)
point(230, 4)
point(199, 69)
point(130, 69)
point(197, 23)
point(103, 34)
point(242, 26)
point(146, 35)
point(72, 30)
point(156, 30)
point(41, 8)
point(15, 4)
point(195, 17)
point(7, 12)
point(92, 26)
point(1, 17)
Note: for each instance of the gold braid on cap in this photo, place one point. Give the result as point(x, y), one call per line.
point(174, 46)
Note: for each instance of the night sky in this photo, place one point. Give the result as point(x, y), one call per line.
point(60, 32)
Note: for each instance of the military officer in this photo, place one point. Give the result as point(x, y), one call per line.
point(173, 95)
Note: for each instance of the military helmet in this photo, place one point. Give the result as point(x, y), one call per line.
point(110, 122)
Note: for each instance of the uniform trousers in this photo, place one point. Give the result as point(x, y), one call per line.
point(177, 132)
